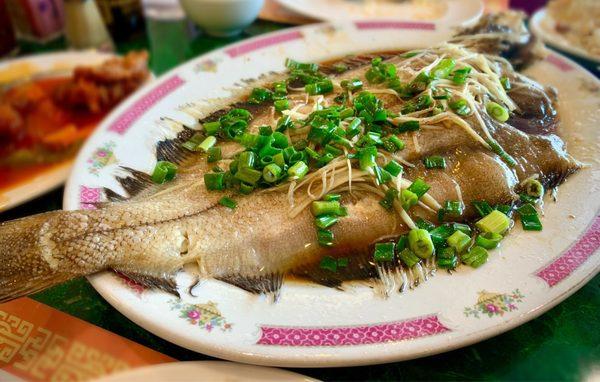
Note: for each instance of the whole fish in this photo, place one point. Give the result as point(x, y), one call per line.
point(154, 230)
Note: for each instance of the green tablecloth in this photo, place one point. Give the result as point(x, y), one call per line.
point(562, 344)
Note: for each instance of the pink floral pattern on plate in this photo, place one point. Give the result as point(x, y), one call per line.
point(206, 316)
point(495, 304)
point(260, 43)
point(559, 62)
point(395, 25)
point(88, 197)
point(102, 157)
point(352, 335)
point(208, 65)
point(135, 111)
point(577, 254)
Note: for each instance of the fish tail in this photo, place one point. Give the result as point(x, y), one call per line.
point(35, 253)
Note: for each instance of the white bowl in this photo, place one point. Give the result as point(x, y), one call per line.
point(222, 17)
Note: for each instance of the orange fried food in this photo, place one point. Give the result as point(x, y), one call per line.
point(24, 97)
point(11, 123)
point(98, 88)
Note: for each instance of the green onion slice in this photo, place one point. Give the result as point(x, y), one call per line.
point(496, 111)
point(384, 252)
point(227, 202)
point(459, 241)
point(164, 171)
point(495, 222)
point(488, 240)
point(475, 257)
point(419, 241)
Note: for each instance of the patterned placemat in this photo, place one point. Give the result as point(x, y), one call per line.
point(40, 343)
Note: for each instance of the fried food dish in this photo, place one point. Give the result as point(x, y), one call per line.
point(44, 120)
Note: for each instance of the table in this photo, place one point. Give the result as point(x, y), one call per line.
point(564, 343)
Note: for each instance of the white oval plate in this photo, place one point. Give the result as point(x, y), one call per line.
point(543, 26)
point(454, 12)
point(313, 326)
point(15, 69)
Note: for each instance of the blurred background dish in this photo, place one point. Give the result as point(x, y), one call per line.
point(453, 11)
point(49, 104)
point(570, 25)
point(214, 371)
point(222, 17)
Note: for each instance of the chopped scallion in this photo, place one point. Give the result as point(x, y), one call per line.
point(281, 104)
point(271, 173)
point(213, 154)
point(460, 107)
point(248, 175)
point(227, 202)
point(164, 171)
point(384, 252)
point(332, 197)
point(322, 207)
point(212, 128)
point(529, 218)
point(394, 168)
point(298, 170)
point(459, 241)
point(408, 199)
point(325, 221)
point(325, 237)
point(434, 161)
point(321, 87)
point(488, 240)
point(419, 187)
point(534, 188)
point(475, 257)
point(408, 257)
point(328, 263)
point(495, 222)
point(214, 181)
point(459, 76)
point(443, 68)
point(419, 241)
point(501, 153)
point(497, 111)
point(408, 126)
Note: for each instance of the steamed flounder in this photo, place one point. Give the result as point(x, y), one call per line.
point(391, 144)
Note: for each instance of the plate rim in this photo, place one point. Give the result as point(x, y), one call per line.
point(357, 359)
point(541, 33)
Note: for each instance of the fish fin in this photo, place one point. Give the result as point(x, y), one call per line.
point(171, 150)
point(385, 278)
point(11, 289)
point(137, 183)
point(166, 284)
point(358, 269)
point(29, 260)
point(112, 196)
point(396, 277)
point(267, 284)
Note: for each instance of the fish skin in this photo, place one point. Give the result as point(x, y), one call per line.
point(162, 228)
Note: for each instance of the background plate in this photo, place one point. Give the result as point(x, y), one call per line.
point(24, 67)
point(452, 12)
point(313, 326)
point(542, 25)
